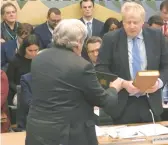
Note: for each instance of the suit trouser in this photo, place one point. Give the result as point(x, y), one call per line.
point(136, 111)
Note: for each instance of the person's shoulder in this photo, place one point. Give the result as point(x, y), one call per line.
point(26, 77)
point(16, 59)
point(152, 30)
point(8, 43)
point(98, 21)
point(113, 35)
point(40, 27)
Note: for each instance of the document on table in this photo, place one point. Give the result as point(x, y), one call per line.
point(100, 131)
point(138, 131)
point(105, 130)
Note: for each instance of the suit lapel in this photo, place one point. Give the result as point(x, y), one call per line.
point(93, 27)
point(149, 48)
point(123, 51)
point(82, 20)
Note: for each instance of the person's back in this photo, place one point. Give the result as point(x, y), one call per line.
point(60, 102)
point(65, 89)
point(62, 87)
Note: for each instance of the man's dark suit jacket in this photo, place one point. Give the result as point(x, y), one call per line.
point(113, 57)
point(8, 51)
point(65, 89)
point(24, 100)
point(97, 29)
point(43, 34)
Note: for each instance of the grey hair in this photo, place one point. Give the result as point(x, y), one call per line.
point(69, 32)
point(130, 7)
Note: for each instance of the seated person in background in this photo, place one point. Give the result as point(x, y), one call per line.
point(10, 48)
point(164, 15)
point(93, 25)
point(92, 46)
point(111, 24)
point(25, 100)
point(45, 30)
point(155, 22)
point(21, 63)
point(4, 93)
point(9, 24)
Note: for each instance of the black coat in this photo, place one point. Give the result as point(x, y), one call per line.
point(65, 89)
point(113, 57)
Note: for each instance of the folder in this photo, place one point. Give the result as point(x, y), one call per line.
point(145, 79)
point(105, 78)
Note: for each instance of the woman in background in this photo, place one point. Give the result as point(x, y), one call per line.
point(111, 24)
point(21, 63)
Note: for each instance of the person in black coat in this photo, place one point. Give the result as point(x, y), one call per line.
point(65, 89)
point(21, 63)
point(117, 55)
point(44, 31)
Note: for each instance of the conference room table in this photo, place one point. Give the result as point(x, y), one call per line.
point(18, 138)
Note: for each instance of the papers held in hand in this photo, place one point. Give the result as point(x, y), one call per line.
point(105, 78)
point(146, 79)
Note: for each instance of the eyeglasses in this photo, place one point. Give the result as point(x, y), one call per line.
point(94, 51)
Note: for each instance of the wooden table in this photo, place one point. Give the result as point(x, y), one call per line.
point(134, 141)
point(14, 138)
point(18, 138)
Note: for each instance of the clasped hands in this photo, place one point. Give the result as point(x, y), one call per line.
point(119, 84)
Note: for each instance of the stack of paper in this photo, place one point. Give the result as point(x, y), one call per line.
point(153, 129)
point(138, 131)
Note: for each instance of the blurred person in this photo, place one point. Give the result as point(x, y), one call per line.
point(111, 24)
point(4, 94)
point(10, 48)
point(21, 63)
point(45, 30)
point(9, 24)
point(155, 22)
point(93, 25)
point(164, 15)
point(128, 50)
point(92, 46)
point(65, 89)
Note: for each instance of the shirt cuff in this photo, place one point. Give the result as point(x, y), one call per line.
point(160, 83)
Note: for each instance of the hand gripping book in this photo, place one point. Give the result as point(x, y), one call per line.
point(145, 79)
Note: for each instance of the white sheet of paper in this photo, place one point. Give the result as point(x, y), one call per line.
point(100, 131)
point(96, 111)
point(139, 131)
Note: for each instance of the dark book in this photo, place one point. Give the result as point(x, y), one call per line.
point(105, 78)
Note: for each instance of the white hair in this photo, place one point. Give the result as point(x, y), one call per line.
point(69, 32)
point(133, 8)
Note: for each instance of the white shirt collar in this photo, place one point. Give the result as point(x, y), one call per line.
point(86, 21)
point(165, 22)
point(50, 29)
point(17, 43)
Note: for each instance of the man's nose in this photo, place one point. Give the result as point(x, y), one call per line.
point(96, 53)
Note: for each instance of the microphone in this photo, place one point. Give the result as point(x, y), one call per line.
point(151, 112)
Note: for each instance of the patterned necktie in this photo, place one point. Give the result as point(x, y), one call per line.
point(136, 59)
point(89, 29)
